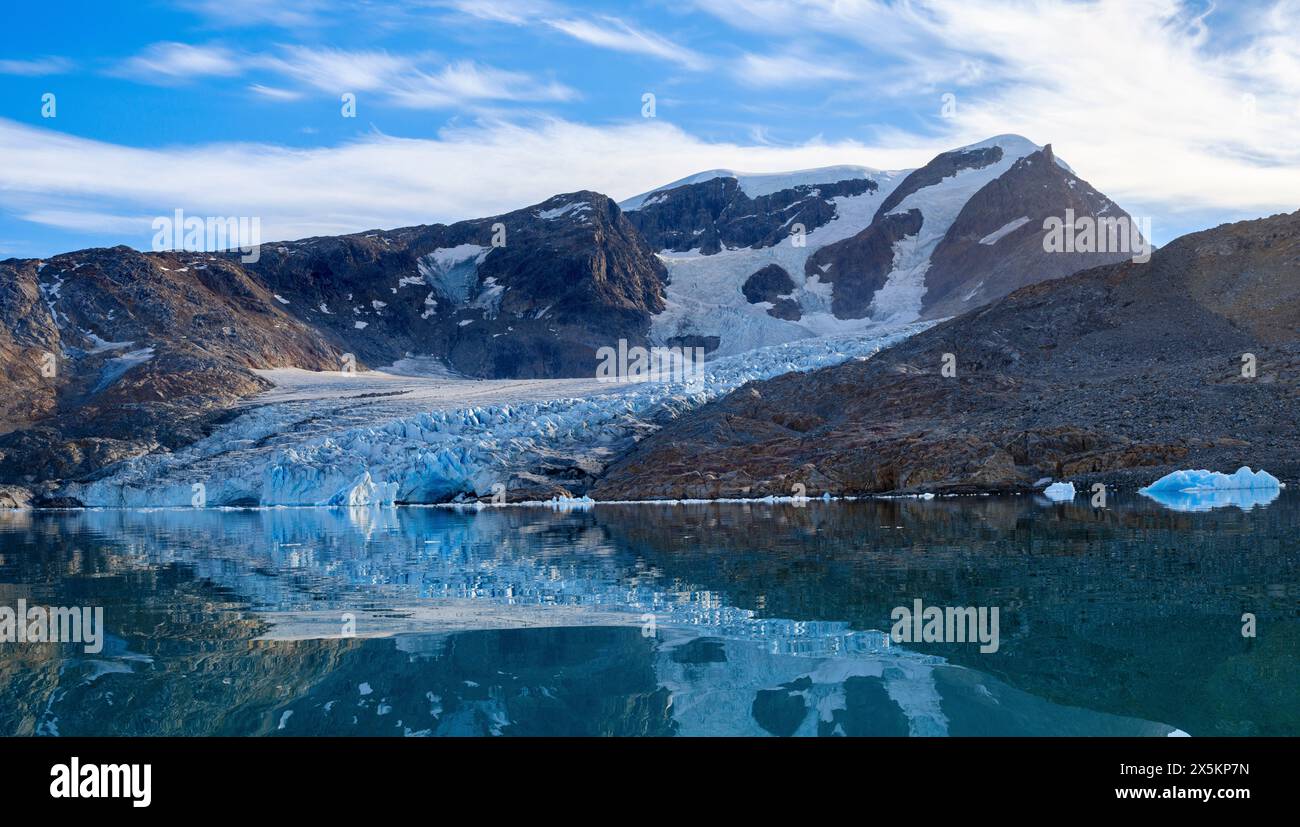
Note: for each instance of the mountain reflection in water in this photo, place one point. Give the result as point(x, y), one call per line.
point(719, 619)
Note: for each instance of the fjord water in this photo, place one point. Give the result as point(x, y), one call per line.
point(719, 619)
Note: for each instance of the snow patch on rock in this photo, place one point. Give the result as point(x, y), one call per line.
point(453, 271)
point(1006, 230)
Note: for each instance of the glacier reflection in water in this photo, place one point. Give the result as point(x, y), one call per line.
point(654, 620)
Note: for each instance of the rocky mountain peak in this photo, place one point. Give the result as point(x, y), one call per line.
point(1117, 374)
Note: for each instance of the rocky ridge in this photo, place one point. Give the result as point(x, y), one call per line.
point(1118, 375)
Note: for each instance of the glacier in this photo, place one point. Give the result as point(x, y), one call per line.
point(381, 437)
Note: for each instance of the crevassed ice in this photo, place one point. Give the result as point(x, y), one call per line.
point(326, 450)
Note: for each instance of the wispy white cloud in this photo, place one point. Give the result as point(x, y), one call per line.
point(409, 81)
point(1140, 95)
point(515, 12)
point(1145, 98)
point(169, 63)
point(288, 14)
point(380, 181)
point(402, 81)
point(612, 33)
point(87, 220)
point(37, 67)
point(787, 71)
point(338, 70)
point(274, 92)
point(602, 31)
point(466, 81)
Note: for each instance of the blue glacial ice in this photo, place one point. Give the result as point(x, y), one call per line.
point(1205, 490)
point(437, 439)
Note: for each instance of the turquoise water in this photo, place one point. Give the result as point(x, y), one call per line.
point(719, 619)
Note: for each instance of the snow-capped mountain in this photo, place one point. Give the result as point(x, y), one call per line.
point(114, 354)
point(758, 259)
point(1117, 376)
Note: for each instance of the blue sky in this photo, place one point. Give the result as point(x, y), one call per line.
point(1181, 111)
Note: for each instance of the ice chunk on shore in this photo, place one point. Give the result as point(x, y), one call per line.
point(1187, 481)
point(1059, 492)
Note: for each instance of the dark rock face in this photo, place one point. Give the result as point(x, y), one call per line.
point(995, 245)
point(868, 712)
point(717, 213)
point(1117, 375)
point(974, 264)
point(773, 284)
point(117, 353)
point(787, 309)
point(693, 340)
point(859, 266)
point(944, 165)
point(529, 294)
point(112, 353)
point(768, 284)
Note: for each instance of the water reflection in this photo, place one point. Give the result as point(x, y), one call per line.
point(1209, 499)
point(648, 620)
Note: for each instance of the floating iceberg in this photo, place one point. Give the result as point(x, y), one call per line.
point(1243, 480)
point(1205, 490)
point(1059, 492)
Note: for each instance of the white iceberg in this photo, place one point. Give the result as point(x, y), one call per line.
point(1059, 492)
point(1189, 481)
point(1206, 490)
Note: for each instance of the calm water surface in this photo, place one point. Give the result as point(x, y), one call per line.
point(659, 620)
